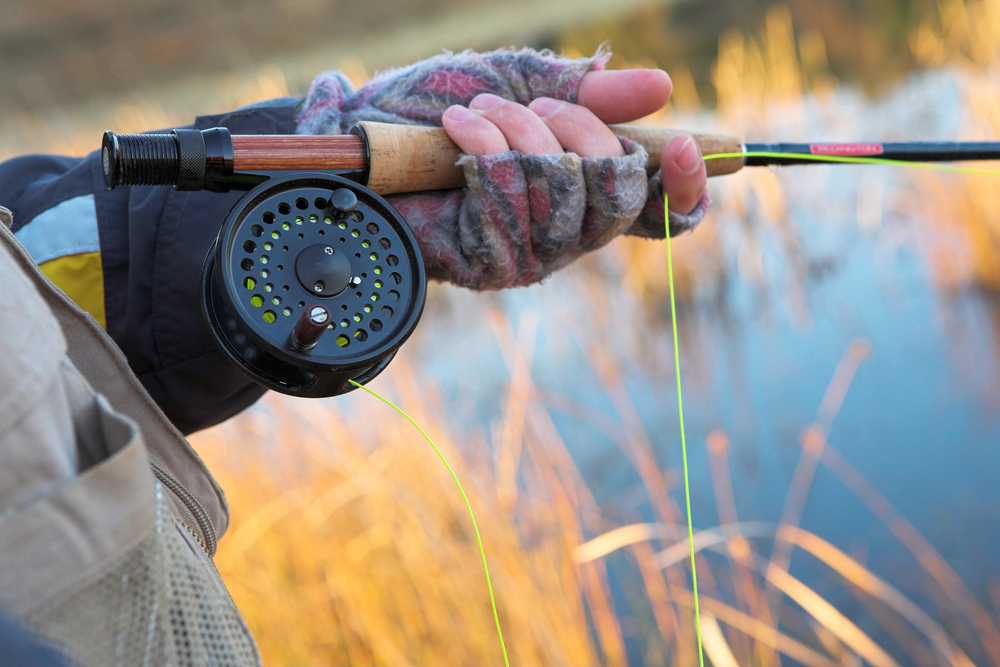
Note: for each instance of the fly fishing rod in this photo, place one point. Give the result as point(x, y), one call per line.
point(390, 159)
point(314, 280)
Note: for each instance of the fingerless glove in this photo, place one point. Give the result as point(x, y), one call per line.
point(520, 217)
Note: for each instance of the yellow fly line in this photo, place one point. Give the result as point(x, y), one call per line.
point(677, 366)
point(468, 506)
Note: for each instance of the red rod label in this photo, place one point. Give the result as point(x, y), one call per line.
point(846, 150)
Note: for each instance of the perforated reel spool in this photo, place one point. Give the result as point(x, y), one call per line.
point(284, 247)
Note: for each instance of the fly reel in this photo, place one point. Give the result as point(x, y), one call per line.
point(313, 281)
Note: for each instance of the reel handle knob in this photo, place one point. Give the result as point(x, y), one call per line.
point(310, 327)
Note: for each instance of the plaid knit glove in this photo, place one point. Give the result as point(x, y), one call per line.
point(520, 217)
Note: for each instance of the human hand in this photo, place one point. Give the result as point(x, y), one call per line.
point(526, 213)
point(491, 125)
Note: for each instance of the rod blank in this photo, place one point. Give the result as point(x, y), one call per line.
point(910, 151)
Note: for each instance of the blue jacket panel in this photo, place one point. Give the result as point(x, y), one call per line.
point(153, 243)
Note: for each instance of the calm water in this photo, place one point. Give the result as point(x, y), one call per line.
point(920, 420)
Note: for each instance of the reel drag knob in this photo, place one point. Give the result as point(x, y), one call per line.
point(322, 270)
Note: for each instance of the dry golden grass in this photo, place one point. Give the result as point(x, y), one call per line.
point(349, 544)
point(762, 82)
point(965, 210)
point(773, 70)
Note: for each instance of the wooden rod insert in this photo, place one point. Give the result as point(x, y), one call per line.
point(265, 152)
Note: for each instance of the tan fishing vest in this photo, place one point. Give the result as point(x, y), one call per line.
point(108, 522)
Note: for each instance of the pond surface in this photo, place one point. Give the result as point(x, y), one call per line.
point(919, 421)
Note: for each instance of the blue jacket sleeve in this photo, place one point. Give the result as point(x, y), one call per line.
point(152, 243)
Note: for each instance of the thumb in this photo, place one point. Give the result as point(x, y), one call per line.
point(683, 172)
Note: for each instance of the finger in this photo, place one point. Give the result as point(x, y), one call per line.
point(472, 133)
point(521, 127)
point(619, 96)
point(577, 128)
point(683, 172)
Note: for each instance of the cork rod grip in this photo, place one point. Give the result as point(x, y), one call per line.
point(653, 139)
point(411, 158)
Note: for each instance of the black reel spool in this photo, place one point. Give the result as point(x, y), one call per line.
point(294, 248)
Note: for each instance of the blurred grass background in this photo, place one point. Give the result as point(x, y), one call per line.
point(348, 544)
